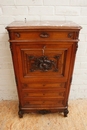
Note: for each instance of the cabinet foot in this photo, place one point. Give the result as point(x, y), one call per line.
point(66, 112)
point(20, 113)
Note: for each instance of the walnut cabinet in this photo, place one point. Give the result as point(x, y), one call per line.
point(43, 56)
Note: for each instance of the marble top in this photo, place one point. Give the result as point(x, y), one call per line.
point(43, 24)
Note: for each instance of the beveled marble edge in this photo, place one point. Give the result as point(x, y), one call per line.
point(58, 24)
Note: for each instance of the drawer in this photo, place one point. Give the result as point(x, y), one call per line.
point(42, 86)
point(44, 93)
point(43, 103)
point(43, 35)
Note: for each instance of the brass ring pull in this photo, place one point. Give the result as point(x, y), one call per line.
point(17, 35)
point(44, 35)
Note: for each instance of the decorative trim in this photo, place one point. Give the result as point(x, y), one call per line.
point(44, 112)
point(43, 63)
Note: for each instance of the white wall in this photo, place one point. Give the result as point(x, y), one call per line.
point(10, 10)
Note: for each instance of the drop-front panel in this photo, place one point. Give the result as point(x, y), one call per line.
point(43, 56)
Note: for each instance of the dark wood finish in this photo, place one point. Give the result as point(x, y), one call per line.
point(43, 56)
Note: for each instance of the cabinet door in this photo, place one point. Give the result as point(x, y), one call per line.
point(40, 62)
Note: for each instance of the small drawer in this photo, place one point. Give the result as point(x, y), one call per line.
point(42, 103)
point(43, 35)
point(42, 86)
point(44, 93)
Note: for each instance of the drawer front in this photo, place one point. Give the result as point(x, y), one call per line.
point(44, 93)
point(43, 103)
point(54, 86)
point(43, 35)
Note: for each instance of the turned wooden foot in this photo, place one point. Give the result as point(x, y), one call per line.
point(66, 112)
point(20, 113)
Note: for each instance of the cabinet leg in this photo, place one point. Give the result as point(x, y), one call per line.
point(66, 112)
point(20, 113)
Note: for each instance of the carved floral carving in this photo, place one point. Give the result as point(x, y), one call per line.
point(43, 63)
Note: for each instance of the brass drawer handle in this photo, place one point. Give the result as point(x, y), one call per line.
point(70, 35)
point(17, 35)
point(44, 35)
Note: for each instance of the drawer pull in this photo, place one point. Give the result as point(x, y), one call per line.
point(44, 35)
point(17, 35)
point(70, 35)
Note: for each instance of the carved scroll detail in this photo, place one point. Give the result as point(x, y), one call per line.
point(43, 63)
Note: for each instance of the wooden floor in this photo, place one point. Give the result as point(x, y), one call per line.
point(76, 120)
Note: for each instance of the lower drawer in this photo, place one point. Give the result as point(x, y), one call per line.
point(42, 85)
point(43, 93)
point(43, 103)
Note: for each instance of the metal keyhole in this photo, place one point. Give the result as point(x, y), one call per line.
point(43, 49)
